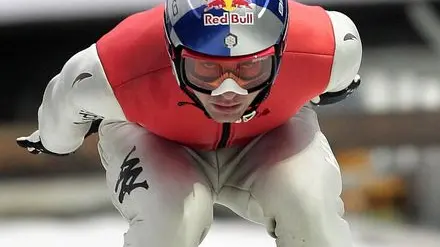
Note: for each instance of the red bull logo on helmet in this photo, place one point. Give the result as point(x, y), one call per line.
point(228, 17)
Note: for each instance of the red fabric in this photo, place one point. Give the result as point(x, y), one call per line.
point(137, 65)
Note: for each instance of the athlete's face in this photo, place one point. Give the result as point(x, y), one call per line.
point(227, 107)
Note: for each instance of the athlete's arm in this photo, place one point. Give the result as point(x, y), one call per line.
point(76, 97)
point(346, 62)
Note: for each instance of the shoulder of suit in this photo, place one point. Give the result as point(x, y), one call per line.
point(135, 47)
point(348, 51)
point(90, 89)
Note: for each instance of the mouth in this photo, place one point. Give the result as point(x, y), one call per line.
point(227, 108)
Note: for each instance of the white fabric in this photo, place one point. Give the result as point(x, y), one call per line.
point(348, 53)
point(69, 104)
point(287, 180)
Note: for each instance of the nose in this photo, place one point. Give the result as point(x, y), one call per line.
point(229, 85)
point(228, 95)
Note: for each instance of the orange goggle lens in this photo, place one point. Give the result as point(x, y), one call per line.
point(208, 73)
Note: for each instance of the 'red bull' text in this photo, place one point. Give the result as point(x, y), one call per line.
point(228, 19)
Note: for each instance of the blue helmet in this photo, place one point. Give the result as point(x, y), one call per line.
point(225, 29)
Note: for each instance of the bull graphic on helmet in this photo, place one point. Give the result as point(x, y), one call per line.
point(227, 5)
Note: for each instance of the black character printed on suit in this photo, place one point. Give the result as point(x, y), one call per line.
point(127, 177)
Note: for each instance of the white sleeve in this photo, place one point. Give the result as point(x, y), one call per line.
point(75, 97)
point(348, 52)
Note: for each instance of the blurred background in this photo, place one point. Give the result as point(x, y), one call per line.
point(385, 135)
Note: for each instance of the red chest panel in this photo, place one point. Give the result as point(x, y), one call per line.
point(137, 66)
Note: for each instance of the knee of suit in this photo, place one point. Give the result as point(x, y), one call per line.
point(172, 207)
point(308, 180)
point(311, 192)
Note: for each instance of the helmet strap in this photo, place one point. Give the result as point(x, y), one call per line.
point(261, 96)
point(175, 59)
point(196, 102)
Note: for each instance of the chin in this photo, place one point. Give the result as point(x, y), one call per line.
point(224, 118)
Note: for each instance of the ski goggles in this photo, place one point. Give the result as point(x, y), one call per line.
point(215, 76)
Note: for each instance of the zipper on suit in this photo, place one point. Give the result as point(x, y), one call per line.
point(226, 132)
